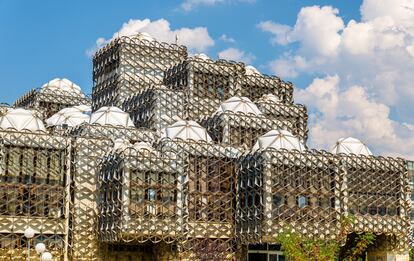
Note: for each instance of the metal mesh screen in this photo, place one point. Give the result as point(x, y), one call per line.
point(128, 64)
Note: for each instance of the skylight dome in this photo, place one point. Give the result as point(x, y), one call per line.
point(239, 104)
point(279, 139)
point(146, 37)
point(121, 144)
point(251, 70)
point(62, 85)
point(143, 146)
point(111, 116)
point(351, 146)
point(20, 120)
point(270, 98)
point(82, 108)
point(70, 117)
point(202, 56)
point(186, 130)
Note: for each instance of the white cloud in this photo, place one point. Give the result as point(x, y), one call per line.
point(373, 63)
point(189, 5)
point(196, 39)
point(317, 29)
point(280, 32)
point(235, 54)
point(340, 113)
point(227, 39)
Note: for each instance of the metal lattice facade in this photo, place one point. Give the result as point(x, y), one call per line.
point(105, 192)
point(128, 64)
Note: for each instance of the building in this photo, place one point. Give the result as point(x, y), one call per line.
point(184, 158)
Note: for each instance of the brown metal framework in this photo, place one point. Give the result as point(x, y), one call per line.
point(127, 64)
point(171, 199)
point(34, 191)
point(312, 191)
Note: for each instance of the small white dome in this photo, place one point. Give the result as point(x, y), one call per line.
point(111, 116)
point(68, 116)
point(351, 146)
point(279, 139)
point(201, 56)
point(62, 85)
point(146, 37)
point(186, 130)
point(143, 146)
point(21, 119)
point(121, 144)
point(270, 98)
point(239, 104)
point(251, 70)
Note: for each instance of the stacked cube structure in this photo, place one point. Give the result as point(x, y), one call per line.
point(183, 158)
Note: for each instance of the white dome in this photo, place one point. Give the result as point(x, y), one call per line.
point(111, 116)
point(146, 37)
point(239, 104)
point(21, 119)
point(201, 56)
point(186, 130)
point(121, 144)
point(351, 146)
point(67, 116)
point(82, 108)
point(251, 70)
point(270, 98)
point(62, 85)
point(278, 139)
point(143, 145)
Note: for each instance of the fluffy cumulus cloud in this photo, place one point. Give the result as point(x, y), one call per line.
point(235, 54)
point(367, 90)
point(188, 5)
point(351, 112)
point(196, 39)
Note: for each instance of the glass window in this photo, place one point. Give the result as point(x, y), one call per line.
point(302, 201)
point(277, 200)
point(272, 257)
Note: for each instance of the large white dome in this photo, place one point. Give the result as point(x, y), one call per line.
point(239, 104)
point(279, 139)
point(186, 130)
point(351, 146)
point(111, 116)
point(20, 120)
point(68, 116)
point(62, 85)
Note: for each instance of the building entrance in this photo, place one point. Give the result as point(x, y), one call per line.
point(265, 252)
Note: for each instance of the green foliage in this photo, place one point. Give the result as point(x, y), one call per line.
point(299, 248)
point(359, 246)
point(411, 254)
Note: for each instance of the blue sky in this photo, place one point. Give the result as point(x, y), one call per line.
point(351, 61)
point(42, 40)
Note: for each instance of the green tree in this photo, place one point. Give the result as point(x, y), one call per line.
point(299, 248)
